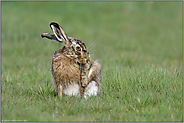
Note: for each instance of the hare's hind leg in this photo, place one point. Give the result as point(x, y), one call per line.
point(94, 76)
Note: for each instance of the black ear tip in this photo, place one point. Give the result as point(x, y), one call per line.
point(42, 35)
point(54, 23)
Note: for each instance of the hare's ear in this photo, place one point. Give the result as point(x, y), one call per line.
point(51, 37)
point(59, 32)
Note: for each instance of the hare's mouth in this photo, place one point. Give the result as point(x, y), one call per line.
point(82, 61)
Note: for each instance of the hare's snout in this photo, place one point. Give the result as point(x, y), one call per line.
point(82, 61)
point(83, 58)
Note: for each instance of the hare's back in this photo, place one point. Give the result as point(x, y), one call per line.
point(64, 68)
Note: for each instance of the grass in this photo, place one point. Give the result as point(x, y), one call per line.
point(139, 45)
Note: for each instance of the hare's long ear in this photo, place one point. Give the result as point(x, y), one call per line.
point(59, 32)
point(51, 37)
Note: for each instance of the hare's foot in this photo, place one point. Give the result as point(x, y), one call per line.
point(91, 89)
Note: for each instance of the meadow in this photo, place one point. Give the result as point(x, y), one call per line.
point(138, 44)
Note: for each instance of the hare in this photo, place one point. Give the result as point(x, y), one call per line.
point(74, 73)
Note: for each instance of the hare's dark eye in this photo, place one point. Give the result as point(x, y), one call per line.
point(78, 48)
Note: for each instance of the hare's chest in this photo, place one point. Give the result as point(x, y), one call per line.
point(65, 68)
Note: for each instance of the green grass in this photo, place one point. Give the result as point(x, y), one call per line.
point(139, 45)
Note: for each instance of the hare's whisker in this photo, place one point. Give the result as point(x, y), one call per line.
point(92, 49)
point(90, 44)
point(93, 45)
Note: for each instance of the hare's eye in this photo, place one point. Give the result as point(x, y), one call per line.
point(78, 48)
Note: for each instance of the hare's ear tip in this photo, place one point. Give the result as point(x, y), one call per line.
point(44, 35)
point(53, 23)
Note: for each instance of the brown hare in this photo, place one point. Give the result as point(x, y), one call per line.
point(74, 73)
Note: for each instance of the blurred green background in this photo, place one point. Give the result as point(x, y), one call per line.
point(148, 32)
point(122, 36)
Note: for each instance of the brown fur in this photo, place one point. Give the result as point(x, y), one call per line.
point(64, 69)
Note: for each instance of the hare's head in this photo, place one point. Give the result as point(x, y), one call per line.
point(72, 47)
